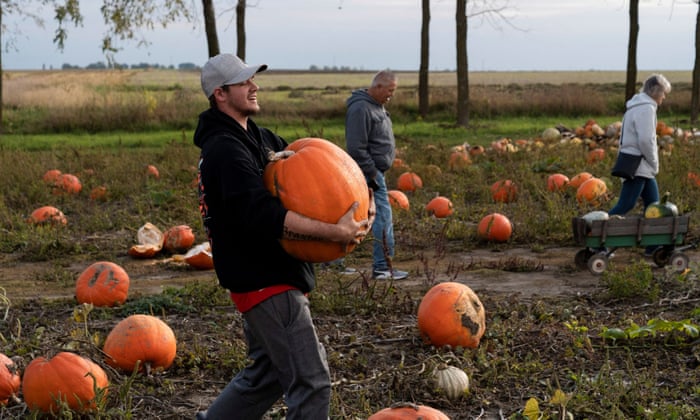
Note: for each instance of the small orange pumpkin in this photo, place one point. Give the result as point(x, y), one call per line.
point(103, 284)
point(408, 411)
point(51, 176)
point(67, 184)
point(399, 164)
point(321, 181)
point(476, 150)
point(47, 215)
point(459, 159)
point(495, 227)
point(178, 239)
point(66, 377)
point(409, 182)
point(98, 193)
point(450, 313)
point(140, 339)
point(592, 192)
point(439, 207)
point(152, 171)
point(398, 200)
point(9, 379)
point(693, 179)
point(557, 182)
point(504, 191)
point(579, 179)
point(595, 155)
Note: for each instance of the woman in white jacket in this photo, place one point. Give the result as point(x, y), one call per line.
point(639, 138)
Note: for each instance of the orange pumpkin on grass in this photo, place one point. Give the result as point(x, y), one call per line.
point(439, 207)
point(103, 284)
point(9, 379)
point(408, 411)
point(66, 377)
point(459, 159)
point(557, 182)
point(51, 176)
point(592, 192)
point(451, 314)
point(409, 182)
point(178, 239)
point(152, 172)
point(98, 193)
point(398, 200)
point(495, 227)
point(67, 184)
point(504, 191)
point(47, 215)
point(579, 179)
point(140, 340)
point(321, 181)
point(595, 155)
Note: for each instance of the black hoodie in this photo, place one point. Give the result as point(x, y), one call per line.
point(243, 220)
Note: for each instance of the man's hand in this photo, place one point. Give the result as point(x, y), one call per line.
point(372, 211)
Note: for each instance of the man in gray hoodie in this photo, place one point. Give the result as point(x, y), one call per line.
point(369, 139)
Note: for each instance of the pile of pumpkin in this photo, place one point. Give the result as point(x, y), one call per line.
point(137, 343)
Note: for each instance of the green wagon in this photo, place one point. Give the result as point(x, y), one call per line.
point(602, 237)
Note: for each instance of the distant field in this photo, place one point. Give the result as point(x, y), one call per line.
point(303, 79)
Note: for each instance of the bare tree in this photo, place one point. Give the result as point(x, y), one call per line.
point(695, 95)
point(240, 29)
point(423, 90)
point(210, 27)
point(631, 83)
point(462, 64)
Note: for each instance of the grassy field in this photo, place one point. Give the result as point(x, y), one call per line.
point(107, 127)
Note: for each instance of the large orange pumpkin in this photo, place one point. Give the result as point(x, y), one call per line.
point(450, 313)
point(66, 377)
point(504, 191)
point(439, 207)
point(409, 412)
point(557, 182)
point(495, 227)
point(592, 192)
point(398, 200)
point(47, 215)
point(103, 284)
point(409, 182)
point(9, 379)
point(178, 239)
point(140, 339)
point(321, 181)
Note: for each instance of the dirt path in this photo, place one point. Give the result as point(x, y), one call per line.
point(550, 272)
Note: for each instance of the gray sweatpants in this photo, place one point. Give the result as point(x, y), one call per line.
point(288, 360)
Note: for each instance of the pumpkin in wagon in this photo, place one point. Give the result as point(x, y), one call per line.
point(318, 179)
point(103, 284)
point(450, 313)
point(662, 208)
point(66, 377)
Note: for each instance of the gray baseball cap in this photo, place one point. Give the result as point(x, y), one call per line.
point(226, 69)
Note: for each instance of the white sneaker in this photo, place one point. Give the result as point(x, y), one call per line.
point(389, 274)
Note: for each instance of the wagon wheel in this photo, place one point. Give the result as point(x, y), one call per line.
point(581, 258)
point(597, 264)
point(679, 262)
point(662, 256)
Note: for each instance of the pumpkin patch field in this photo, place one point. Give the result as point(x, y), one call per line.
point(496, 319)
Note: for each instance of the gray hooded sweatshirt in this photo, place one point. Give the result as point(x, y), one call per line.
point(639, 133)
point(369, 136)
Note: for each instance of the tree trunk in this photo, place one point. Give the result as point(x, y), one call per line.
point(210, 27)
point(423, 89)
point(631, 84)
point(240, 29)
point(462, 65)
point(695, 95)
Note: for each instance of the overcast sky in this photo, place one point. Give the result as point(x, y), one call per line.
point(376, 34)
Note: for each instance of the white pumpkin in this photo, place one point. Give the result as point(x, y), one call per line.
point(451, 380)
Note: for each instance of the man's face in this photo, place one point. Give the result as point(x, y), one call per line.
point(385, 92)
point(242, 98)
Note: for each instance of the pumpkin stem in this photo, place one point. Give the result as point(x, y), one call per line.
point(275, 156)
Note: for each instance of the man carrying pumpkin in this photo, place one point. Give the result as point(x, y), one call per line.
point(244, 223)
